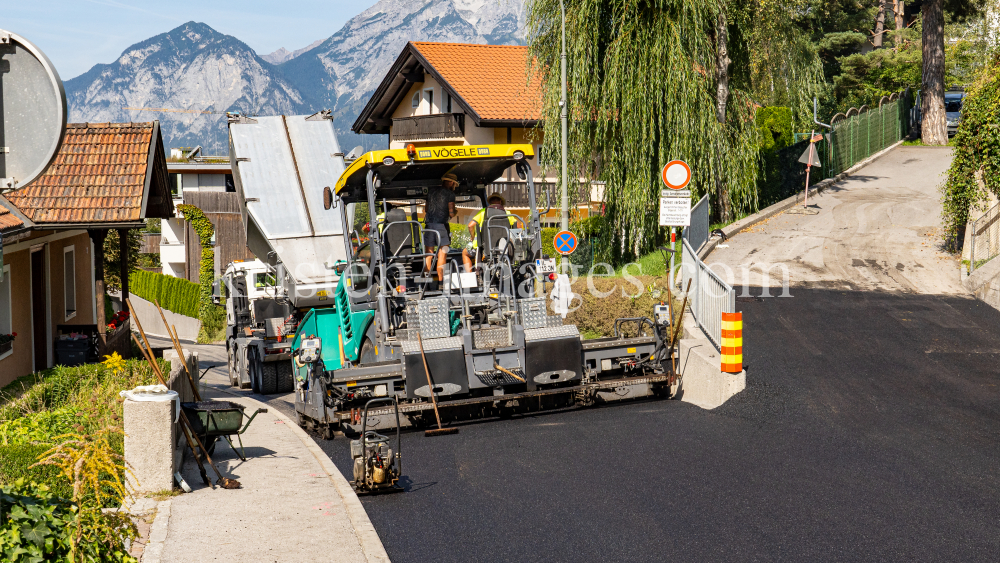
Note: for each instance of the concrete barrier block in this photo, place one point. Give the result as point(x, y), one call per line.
point(702, 383)
point(149, 444)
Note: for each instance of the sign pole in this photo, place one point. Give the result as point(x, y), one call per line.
point(805, 202)
point(675, 203)
point(673, 240)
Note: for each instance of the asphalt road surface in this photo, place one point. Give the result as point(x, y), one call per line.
point(869, 429)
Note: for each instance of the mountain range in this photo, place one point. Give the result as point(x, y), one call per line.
point(204, 73)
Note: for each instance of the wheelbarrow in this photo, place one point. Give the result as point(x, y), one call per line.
point(212, 420)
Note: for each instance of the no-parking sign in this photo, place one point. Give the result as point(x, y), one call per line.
point(565, 242)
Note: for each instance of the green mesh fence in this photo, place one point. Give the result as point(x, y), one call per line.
point(857, 137)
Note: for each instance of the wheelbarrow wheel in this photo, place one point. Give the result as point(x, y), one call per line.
point(210, 445)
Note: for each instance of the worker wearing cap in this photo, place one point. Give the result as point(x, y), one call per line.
point(495, 201)
point(439, 210)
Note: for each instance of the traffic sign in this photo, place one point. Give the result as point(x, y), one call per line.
point(809, 157)
point(565, 242)
point(675, 211)
point(676, 174)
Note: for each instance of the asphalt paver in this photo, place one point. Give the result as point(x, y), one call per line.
point(869, 430)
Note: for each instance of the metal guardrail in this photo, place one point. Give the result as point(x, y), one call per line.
point(709, 296)
point(697, 232)
point(985, 238)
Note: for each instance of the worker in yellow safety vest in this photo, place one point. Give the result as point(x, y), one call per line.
point(495, 201)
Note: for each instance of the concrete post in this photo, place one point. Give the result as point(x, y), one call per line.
point(154, 443)
point(149, 445)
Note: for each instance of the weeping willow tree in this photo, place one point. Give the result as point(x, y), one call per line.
point(655, 80)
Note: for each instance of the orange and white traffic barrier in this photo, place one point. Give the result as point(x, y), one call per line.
point(732, 342)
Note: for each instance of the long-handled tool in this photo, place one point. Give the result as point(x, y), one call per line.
point(180, 352)
point(508, 372)
point(156, 371)
point(670, 311)
point(673, 337)
point(430, 389)
point(224, 482)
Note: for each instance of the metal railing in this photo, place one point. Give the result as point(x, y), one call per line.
point(422, 127)
point(709, 296)
point(697, 232)
point(985, 238)
point(516, 193)
point(863, 132)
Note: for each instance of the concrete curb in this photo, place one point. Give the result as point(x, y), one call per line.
point(785, 204)
point(157, 534)
point(371, 544)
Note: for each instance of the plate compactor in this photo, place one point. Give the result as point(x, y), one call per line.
point(376, 467)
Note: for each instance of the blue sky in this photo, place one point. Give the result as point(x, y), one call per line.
point(77, 34)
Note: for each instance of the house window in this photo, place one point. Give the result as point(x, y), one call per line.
point(6, 324)
point(447, 102)
point(429, 98)
point(415, 100)
point(69, 284)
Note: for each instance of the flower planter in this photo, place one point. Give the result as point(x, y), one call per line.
point(6, 347)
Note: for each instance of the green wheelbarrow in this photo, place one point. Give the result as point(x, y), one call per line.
point(212, 420)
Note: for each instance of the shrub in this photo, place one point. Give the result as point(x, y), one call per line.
point(174, 294)
point(19, 463)
point(459, 235)
point(596, 317)
point(78, 387)
point(35, 524)
point(974, 173)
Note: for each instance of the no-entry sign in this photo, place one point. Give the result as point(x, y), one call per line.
point(676, 174)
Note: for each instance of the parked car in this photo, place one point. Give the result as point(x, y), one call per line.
point(953, 110)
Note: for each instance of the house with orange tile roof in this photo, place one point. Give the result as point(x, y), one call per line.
point(104, 176)
point(466, 94)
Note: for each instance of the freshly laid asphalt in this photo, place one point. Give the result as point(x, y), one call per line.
point(869, 430)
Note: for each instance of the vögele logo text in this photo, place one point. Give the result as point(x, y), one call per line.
point(458, 152)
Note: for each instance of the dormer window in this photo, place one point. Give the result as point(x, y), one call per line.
point(415, 100)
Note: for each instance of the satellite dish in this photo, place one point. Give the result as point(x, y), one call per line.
point(355, 153)
point(32, 111)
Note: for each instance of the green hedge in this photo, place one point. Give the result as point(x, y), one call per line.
point(17, 462)
point(174, 294)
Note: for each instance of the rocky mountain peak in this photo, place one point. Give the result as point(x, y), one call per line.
point(193, 67)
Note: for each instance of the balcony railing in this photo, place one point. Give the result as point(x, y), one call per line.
point(425, 127)
point(516, 193)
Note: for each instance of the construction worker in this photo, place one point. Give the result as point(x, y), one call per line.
point(495, 201)
point(440, 209)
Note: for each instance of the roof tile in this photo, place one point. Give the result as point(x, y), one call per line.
point(97, 176)
point(493, 79)
point(8, 220)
